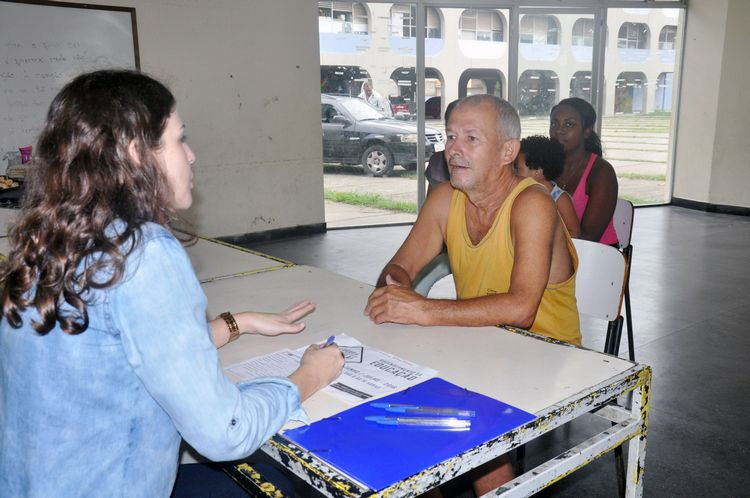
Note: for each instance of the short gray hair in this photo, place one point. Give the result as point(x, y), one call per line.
point(508, 122)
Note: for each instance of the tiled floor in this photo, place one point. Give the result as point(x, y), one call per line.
point(690, 288)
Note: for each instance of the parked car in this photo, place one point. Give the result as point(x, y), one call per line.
point(401, 110)
point(356, 133)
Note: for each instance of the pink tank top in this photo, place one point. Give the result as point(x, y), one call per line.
point(581, 200)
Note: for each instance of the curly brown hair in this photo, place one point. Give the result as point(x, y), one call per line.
point(95, 181)
point(544, 153)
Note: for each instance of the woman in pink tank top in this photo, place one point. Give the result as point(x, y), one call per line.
point(586, 176)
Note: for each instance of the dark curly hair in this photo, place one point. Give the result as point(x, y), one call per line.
point(592, 143)
point(544, 153)
point(95, 169)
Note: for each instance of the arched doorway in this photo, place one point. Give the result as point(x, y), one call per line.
point(489, 81)
point(405, 80)
point(630, 92)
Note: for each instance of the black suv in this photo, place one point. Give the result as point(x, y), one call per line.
point(356, 133)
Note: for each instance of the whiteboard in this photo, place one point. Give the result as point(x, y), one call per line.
point(42, 47)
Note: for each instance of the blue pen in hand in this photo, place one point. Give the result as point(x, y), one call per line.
point(329, 341)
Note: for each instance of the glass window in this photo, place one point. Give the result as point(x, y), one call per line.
point(583, 33)
point(342, 17)
point(630, 92)
point(404, 22)
point(539, 30)
point(537, 92)
point(481, 25)
point(636, 117)
point(633, 35)
point(466, 53)
point(663, 99)
point(580, 85)
point(667, 37)
point(432, 24)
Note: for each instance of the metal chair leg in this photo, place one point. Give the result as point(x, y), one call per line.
point(614, 335)
point(628, 253)
point(620, 468)
point(629, 320)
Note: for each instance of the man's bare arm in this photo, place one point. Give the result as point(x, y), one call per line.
point(425, 240)
point(533, 224)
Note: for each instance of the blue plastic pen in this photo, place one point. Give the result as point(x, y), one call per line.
point(441, 422)
point(428, 410)
point(329, 341)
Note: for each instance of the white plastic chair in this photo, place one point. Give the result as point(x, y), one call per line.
point(623, 221)
point(433, 271)
point(600, 284)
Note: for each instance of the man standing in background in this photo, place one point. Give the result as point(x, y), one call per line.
point(375, 99)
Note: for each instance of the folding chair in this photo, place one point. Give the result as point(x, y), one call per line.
point(623, 221)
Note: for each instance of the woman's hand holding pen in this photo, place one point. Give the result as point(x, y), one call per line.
point(319, 366)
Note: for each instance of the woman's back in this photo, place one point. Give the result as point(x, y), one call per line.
point(107, 358)
point(79, 396)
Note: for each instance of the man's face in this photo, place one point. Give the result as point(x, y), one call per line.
point(473, 146)
point(367, 89)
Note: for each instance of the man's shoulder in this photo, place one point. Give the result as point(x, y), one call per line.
point(444, 192)
point(534, 199)
point(437, 205)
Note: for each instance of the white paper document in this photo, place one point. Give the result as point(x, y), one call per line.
point(277, 364)
point(368, 373)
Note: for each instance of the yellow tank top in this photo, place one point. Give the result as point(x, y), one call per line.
point(485, 268)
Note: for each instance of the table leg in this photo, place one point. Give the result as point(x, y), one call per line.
point(637, 445)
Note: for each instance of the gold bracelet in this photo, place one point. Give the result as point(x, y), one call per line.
point(234, 330)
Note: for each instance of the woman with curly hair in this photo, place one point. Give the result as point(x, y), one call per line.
point(107, 358)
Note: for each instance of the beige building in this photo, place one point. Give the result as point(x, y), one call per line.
point(467, 51)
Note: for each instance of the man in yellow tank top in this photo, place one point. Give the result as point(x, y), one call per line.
point(512, 259)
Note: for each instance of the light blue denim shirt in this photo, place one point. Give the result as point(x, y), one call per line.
point(101, 413)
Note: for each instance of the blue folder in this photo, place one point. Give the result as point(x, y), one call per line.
point(380, 455)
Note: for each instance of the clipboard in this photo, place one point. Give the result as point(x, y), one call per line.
point(380, 455)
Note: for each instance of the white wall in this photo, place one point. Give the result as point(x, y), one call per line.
point(712, 161)
point(246, 77)
point(730, 172)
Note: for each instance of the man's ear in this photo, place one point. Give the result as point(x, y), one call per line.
point(510, 150)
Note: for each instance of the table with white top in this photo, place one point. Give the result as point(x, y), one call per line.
point(215, 260)
point(555, 381)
